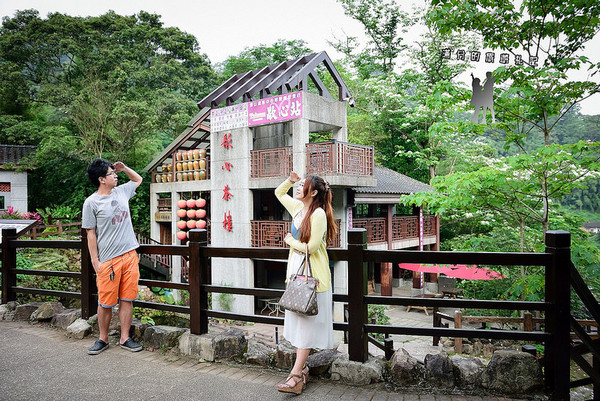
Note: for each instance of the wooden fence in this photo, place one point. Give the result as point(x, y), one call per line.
point(560, 276)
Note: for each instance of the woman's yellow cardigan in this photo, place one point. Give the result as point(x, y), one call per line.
point(318, 239)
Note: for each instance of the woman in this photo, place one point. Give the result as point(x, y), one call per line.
point(312, 224)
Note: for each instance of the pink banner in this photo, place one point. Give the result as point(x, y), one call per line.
point(275, 109)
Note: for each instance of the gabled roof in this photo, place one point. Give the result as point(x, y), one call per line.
point(14, 153)
point(283, 78)
point(195, 133)
point(392, 182)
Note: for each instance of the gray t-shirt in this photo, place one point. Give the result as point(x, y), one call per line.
point(111, 218)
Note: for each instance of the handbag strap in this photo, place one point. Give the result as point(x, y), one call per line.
point(306, 265)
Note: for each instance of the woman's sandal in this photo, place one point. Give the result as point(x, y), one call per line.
point(298, 384)
point(305, 373)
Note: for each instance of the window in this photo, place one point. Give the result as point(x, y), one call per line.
point(4, 186)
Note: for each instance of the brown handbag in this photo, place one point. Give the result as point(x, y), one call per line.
point(300, 294)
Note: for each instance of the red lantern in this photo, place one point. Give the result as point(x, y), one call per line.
point(200, 213)
point(191, 203)
point(181, 204)
point(200, 202)
point(201, 224)
point(191, 224)
point(181, 235)
point(181, 213)
point(181, 224)
point(191, 214)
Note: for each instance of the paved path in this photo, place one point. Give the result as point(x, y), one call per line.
point(40, 363)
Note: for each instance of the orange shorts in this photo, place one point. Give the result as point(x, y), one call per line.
point(124, 285)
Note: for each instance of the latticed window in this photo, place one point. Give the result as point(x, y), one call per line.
point(4, 186)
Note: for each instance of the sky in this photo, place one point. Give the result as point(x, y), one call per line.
point(225, 28)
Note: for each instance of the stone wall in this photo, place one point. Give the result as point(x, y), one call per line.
point(509, 372)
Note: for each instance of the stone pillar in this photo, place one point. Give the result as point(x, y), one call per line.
point(232, 146)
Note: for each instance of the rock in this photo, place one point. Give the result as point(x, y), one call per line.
point(24, 312)
point(137, 329)
point(200, 346)
point(488, 350)
point(286, 355)
point(12, 305)
point(79, 329)
point(47, 311)
point(210, 347)
point(156, 337)
point(320, 362)
point(469, 370)
point(230, 345)
point(259, 353)
point(477, 348)
point(64, 319)
point(512, 372)
point(439, 370)
point(406, 370)
point(356, 373)
point(3, 311)
point(467, 349)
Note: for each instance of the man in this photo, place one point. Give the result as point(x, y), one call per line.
point(112, 245)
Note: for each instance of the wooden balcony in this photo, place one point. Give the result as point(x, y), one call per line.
point(404, 228)
point(270, 233)
point(341, 163)
point(334, 157)
point(271, 163)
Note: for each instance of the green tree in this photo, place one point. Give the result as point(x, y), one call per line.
point(112, 86)
point(536, 95)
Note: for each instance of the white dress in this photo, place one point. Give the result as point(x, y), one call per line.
point(307, 332)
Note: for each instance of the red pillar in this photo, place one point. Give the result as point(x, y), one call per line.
point(386, 268)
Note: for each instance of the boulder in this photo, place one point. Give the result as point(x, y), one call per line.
point(357, 373)
point(512, 372)
point(477, 348)
point(230, 345)
point(156, 337)
point(79, 329)
point(46, 311)
point(65, 318)
point(12, 305)
point(24, 312)
point(210, 347)
point(3, 311)
point(320, 362)
point(439, 370)
point(137, 329)
point(286, 355)
point(259, 353)
point(406, 370)
point(469, 370)
point(488, 350)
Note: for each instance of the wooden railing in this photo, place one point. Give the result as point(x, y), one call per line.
point(560, 275)
point(61, 228)
point(270, 233)
point(270, 163)
point(334, 157)
point(403, 227)
point(376, 228)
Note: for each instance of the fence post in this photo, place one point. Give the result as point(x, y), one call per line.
point(458, 341)
point(527, 321)
point(437, 322)
point(198, 275)
point(9, 262)
point(357, 288)
point(558, 287)
point(88, 280)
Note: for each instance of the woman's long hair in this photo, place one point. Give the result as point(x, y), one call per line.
point(323, 200)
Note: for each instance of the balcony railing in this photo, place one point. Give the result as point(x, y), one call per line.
point(270, 233)
point(267, 163)
point(403, 227)
point(339, 158)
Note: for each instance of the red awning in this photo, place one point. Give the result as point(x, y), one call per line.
point(471, 272)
